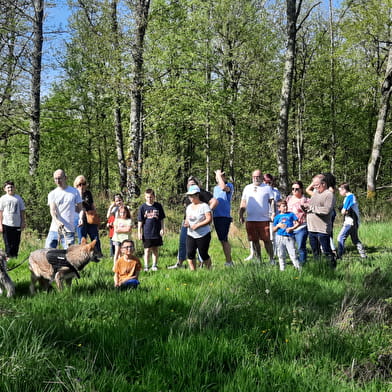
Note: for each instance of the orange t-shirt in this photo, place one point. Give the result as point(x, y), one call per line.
point(126, 270)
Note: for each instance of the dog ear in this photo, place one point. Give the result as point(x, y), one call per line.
point(92, 244)
point(83, 241)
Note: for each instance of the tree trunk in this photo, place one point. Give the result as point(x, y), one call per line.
point(386, 90)
point(118, 129)
point(135, 157)
point(283, 123)
point(35, 113)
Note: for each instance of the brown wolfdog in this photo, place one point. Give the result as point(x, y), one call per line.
point(48, 265)
point(5, 280)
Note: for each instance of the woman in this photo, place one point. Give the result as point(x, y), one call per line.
point(86, 228)
point(294, 203)
point(197, 220)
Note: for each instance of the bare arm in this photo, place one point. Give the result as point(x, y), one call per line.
point(222, 185)
point(140, 230)
point(213, 203)
point(242, 211)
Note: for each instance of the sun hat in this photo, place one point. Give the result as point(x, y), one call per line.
point(193, 189)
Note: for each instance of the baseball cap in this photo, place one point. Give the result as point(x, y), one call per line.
point(193, 189)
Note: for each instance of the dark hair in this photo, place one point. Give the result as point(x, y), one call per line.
point(150, 191)
point(130, 241)
point(119, 196)
point(8, 183)
point(195, 179)
point(281, 202)
point(330, 180)
point(127, 212)
point(298, 182)
point(345, 186)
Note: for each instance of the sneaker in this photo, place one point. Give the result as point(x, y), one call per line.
point(146, 269)
point(229, 264)
point(154, 268)
point(250, 257)
point(176, 266)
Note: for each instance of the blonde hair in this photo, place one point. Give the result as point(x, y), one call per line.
point(78, 180)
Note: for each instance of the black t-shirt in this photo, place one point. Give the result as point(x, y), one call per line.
point(151, 217)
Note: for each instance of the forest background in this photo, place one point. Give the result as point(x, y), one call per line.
point(137, 94)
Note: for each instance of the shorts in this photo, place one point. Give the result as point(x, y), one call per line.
point(258, 231)
point(152, 243)
point(222, 227)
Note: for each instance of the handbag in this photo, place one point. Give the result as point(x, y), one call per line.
point(92, 217)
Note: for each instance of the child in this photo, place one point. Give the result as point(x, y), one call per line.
point(122, 230)
point(150, 228)
point(110, 226)
point(350, 211)
point(12, 219)
point(284, 225)
point(127, 268)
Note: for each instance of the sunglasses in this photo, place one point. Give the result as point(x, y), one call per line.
point(82, 183)
point(295, 189)
point(128, 247)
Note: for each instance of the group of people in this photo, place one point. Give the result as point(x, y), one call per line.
point(283, 224)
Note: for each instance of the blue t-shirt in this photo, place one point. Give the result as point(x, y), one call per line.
point(224, 199)
point(288, 219)
point(151, 217)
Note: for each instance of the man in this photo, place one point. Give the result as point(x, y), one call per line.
point(12, 219)
point(258, 200)
point(205, 197)
point(223, 192)
point(64, 202)
point(319, 218)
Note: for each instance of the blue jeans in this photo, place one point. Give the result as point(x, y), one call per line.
point(181, 256)
point(301, 237)
point(89, 230)
point(317, 239)
point(352, 231)
point(52, 240)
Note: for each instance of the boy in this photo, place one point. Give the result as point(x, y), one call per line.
point(127, 267)
point(150, 228)
point(350, 212)
point(284, 225)
point(12, 219)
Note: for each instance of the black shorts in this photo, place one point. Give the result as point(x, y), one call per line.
point(152, 243)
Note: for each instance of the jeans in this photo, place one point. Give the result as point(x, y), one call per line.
point(286, 244)
point(90, 230)
point(300, 238)
point(52, 239)
point(181, 256)
point(352, 231)
point(317, 239)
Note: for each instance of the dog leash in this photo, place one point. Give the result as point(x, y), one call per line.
point(18, 265)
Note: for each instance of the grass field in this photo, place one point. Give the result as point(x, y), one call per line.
point(247, 328)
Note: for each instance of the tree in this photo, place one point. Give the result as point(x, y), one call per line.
point(136, 131)
point(36, 61)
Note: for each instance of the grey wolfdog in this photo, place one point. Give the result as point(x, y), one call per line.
point(5, 280)
point(63, 268)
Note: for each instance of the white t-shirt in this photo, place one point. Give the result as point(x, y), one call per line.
point(257, 202)
point(65, 201)
point(12, 207)
point(195, 216)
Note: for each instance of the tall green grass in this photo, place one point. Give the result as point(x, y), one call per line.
point(247, 328)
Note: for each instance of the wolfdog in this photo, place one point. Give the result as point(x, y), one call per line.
point(5, 280)
point(48, 265)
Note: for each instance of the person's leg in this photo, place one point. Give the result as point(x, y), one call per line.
point(342, 236)
point(92, 232)
point(16, 235)
point(314, 244)
point(67, 239)
point(356, 241)
point(116, 252)
point(300, 238)
point(290, 247)
point(52, 240)
point(191, 252)
point(227, 251)
point(203, 245)
point(251, 252)
point(264, 235)
point(6, 240)
point(222, 228)
point(325, 241)
point(257, 249)
point(147, 252)
point(181, 254)
point(154, 257)
point(280, 250)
